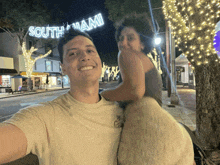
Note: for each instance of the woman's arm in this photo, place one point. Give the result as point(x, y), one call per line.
point(133, 76)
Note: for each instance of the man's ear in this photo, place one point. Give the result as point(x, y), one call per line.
point(63, 69)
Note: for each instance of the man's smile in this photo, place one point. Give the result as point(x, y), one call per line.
point(86, 68)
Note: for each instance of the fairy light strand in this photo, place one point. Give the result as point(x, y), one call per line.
point(29, 61)
point(193, 24)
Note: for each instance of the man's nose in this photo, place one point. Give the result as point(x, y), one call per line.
point(85, 56)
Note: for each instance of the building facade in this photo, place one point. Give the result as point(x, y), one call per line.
point(44, 70)
point(184, 72)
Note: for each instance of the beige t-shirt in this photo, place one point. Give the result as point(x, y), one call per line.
point(68, 132)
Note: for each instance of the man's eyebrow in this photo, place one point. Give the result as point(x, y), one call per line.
point(77, 48)
point(90, 46)
point(71, 49)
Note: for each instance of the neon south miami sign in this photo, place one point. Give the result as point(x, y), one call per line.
point(56, 32)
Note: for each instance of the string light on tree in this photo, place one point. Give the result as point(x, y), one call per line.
point(29, 61)
point(188, 27)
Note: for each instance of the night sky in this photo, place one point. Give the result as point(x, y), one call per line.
point(77, 10)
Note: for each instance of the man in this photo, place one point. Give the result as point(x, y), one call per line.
point(76, 128)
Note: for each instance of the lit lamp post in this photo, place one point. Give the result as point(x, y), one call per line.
point(157, 41)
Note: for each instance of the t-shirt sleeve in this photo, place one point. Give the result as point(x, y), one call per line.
point(33, 122)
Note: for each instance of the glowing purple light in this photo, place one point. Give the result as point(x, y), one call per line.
point(218, 53)
point(217, 43)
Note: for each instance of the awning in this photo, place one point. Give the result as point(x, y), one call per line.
point(18, 76)
point(54, 73)
point(34, 73)
point(43, 73)
point(8, 71)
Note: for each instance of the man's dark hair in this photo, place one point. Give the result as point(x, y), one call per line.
point(69, 35)
point(143, 26)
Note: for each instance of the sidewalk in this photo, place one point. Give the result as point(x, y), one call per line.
point(185, 112)
point(8, 95)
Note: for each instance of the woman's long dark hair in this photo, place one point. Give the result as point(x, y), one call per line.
point(143, 26)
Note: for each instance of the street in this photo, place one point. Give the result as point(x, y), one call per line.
point(9, 106)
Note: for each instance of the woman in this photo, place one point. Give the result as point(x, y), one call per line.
point(139, 75)
point(150, 135)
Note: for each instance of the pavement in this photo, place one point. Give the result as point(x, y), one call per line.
point(185, 112)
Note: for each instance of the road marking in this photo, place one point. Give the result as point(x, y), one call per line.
point(26, 104)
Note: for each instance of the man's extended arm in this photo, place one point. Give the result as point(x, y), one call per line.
point(13, 143)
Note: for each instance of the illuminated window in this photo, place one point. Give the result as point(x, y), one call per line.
point(49, 65)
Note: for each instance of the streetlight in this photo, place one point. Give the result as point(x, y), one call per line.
point(157, 41)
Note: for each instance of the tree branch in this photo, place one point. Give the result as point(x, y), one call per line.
point(157, 26)
point(26, 34)
point(43, 55)
point(8, 32)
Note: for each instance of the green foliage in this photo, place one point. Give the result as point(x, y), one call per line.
point(119, 8)
point(23, 14)
point(19, 15)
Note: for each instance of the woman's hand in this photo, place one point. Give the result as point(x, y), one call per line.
point(132, 72)
point(104, 94)
point(133, 86)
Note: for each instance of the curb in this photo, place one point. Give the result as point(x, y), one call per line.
point(39, 92)
point(33, 93)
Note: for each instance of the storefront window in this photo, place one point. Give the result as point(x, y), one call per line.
point(65, 80)
point(6, 81)
point(59, 81)
point(53, 80)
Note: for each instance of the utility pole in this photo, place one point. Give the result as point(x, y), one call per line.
point(62, 80)
point(173, 98)
point(168, 59)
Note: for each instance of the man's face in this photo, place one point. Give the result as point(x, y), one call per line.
point(81, 61)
